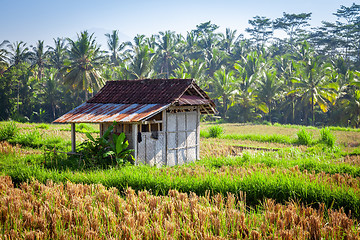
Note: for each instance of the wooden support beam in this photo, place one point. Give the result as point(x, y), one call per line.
point(135, 141)
point(73, 138)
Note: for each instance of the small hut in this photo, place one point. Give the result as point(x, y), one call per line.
point(160, 117)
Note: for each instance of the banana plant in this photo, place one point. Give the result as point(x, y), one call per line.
point(118, 149)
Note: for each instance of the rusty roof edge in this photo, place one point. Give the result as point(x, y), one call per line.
point(72, 110)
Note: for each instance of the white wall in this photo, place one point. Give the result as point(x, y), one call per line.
point(182, 137)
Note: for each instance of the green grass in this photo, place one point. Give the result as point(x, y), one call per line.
point(248, 173)
point(274, 138)
point(334, 128)
point(281, 186)
point(82, 128)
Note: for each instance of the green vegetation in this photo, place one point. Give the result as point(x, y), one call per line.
point(319, 176)
point(303, 78)
point(304, 137)
point(83, 128)
point(215, 131)
point(274, 138)
point(8, 131)
point(106, 150)
point(327, 137)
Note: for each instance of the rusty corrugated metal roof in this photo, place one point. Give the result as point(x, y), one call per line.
point(137, 100)
point(110, 112)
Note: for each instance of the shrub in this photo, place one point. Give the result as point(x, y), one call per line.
point(83, 127)
point(327, 137)
point(204, 133)
point(32, 139)
point(215, 131)
point(43, 126)
point(8, 131)
point(304, 137)
point(102, 152)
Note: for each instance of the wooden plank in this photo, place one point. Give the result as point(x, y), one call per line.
point(73, 138)
point(135, 142)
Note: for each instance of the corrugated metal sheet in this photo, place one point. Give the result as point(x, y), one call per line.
point(110, 112)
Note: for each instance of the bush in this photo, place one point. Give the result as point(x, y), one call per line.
point(43, 126)
point(327, 137)
point(8, 131)
point(304, 137)
point(204, 133)
point(215, 131)
point(32, 139)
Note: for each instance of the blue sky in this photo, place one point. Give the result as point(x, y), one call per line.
point(32, 20)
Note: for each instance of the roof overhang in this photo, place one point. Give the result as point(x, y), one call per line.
point(110, 112)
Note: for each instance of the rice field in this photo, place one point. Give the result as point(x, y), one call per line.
point(250, 183)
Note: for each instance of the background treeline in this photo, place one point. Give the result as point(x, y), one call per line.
point(311, 76)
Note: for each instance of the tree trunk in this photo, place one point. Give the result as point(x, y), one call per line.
point(312, 110)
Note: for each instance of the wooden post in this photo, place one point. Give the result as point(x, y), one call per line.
point(135, 141)
point(73, 138)
point(164, 129)
point(198, 133)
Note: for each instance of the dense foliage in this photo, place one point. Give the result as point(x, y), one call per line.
point(309, 77)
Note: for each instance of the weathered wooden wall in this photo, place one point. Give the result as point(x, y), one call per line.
point(182, 137)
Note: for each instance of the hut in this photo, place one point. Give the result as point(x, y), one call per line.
point(160, 117)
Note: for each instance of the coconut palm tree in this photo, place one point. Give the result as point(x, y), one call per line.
point(57, 55)
point(3, 57)
point(115, 47)
point(166, 50)
point(39, 58)
point(194, 69)
point(268, 87)
point(141, 62)
point(228, 40)
point(224, 88)
point(312, 84)
point(85, 59)
point(19, 53)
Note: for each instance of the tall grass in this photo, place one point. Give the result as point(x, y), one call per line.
point(8, 131)
point(274, 138)
point(304, 137)
point(83, 128)
point(76, 211)
point(327, 137)
point(215, 131)
point(334, 191)
point(36, 139)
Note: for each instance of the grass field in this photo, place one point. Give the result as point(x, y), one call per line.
point(252, 182)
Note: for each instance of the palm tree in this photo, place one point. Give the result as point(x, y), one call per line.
point(245, 85)
point(85, 59)
point(228, 40)
point(312, 84)
point(57, 55)
point(194, 69)
point(3, 57)
point(268, 87)
point(39, 58)
point(166, 51)
point(224, 89)
point(19, 53)
point(51, 93)
point(141, 62)
point(115, 47)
